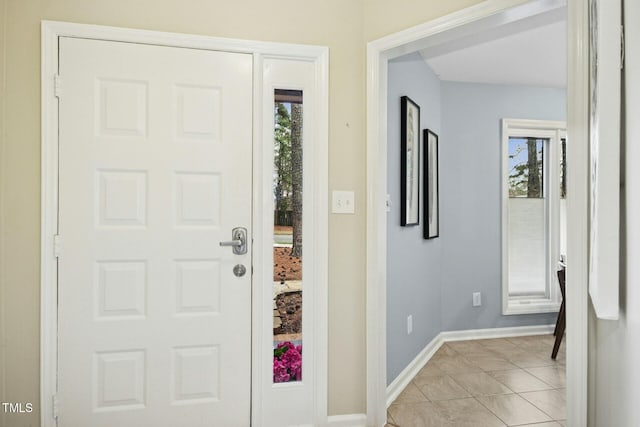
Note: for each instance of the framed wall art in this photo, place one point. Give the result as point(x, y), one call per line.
point(410, 162)
point(431, 186)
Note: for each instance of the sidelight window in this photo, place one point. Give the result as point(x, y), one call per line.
point(287, 236)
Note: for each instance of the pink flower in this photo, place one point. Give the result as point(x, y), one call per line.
point(287, 362)
point(297, 373)
point(280, 374)
point(291, 358)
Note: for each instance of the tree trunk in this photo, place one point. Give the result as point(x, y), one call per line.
point(282, 144)
point(533, 181)
point(296, 177)
point(278, 189)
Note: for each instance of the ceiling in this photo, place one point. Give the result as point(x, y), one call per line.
point(535, 56)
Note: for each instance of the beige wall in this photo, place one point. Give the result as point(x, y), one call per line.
point(383, 17)
point(2, 93)
point(343, 25)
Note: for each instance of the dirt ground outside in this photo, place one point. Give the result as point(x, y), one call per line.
point(288, 304)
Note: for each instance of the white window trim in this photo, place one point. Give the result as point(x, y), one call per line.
point(316, 220)
point(553, 131)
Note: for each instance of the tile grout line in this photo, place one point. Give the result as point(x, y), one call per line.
point(490, 411)
point(540, 409)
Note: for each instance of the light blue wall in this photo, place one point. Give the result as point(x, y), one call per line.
point(433, 280)
point(413, 264)
point(470, 196)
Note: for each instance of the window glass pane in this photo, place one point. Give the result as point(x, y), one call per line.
point(287, 250)
point(563, 168)
point(563, 197)
point(527, 246)
point(526, 173)
point(527, 211)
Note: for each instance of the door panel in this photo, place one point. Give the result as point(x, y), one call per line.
point(155, 171)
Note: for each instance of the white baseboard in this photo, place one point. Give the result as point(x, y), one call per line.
point(479, 334)
point(408, 373)
point(350, 420)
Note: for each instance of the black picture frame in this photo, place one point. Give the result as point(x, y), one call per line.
point(409, 162)
point(431, 179)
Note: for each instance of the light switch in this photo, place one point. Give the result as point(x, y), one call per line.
point(343, 202)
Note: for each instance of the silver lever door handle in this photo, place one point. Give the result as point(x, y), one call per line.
point(239, 242)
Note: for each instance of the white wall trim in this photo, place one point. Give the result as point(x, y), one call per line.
point(350, 420)
point(483, 334)
point(577, 302)
point(49, 226)
point(318, 55)
point(409, 373)
point(404, 378)
point(486, 14)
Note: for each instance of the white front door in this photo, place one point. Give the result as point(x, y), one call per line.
point(154, 172)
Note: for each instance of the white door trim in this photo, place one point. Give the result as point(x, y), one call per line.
point(288, 73)
point(318, 183)
point(379, 52)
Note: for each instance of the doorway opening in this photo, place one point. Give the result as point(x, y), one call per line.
point(482, 23)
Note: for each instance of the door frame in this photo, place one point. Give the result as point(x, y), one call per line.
point(487, 14)
point(317, 180)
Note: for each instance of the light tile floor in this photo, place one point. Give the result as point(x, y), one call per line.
point(486, 383)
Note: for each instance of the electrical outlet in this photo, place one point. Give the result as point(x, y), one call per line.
point(477, 299)
point(409, 324)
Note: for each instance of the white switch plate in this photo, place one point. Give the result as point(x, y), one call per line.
point(343, 202)
point(477, 299)
point(409, 324)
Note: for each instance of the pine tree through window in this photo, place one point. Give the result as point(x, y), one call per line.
point(526, 167)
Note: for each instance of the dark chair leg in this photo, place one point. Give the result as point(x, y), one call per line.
point(560, 314)
point(562, 317)
point(559, 335)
